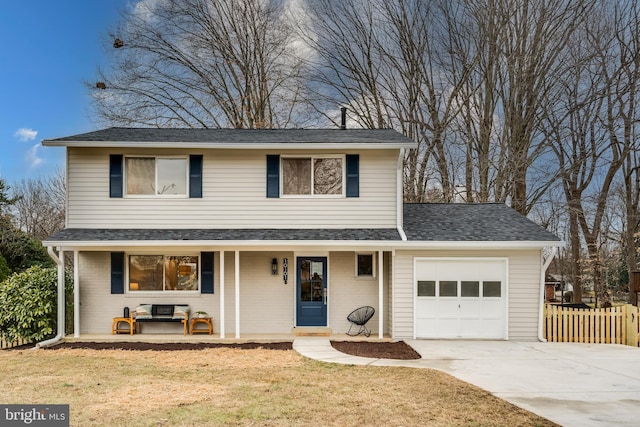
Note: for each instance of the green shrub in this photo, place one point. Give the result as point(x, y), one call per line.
point(19, 250)
point(5, 271)
point(28, 304)
point(568, 296)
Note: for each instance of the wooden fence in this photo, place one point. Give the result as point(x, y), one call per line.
point(616, 325)
point(4, 344)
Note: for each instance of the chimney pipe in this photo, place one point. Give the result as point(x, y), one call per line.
point(343, 122)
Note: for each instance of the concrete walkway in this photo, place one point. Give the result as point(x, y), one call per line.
point(571, 384)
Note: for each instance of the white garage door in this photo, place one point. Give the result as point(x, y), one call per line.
point(461, 298)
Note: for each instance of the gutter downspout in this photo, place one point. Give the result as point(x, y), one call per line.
point(60, 322)
point(554, 250)
point(400, 194)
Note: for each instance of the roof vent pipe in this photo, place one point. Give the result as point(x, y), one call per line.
point(343, 118)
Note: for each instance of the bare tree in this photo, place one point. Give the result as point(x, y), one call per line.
point(39, 209)
point(623, 116)
point(585, 128)
point(202, 63)
point(384, 60)
point(476, 28)
point(514, 50)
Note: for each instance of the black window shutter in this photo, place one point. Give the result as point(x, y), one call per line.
point(353, 175)
point(206, 270)
point(273, 176)
point(195, 176)
point(117, 272)
point(115, 175)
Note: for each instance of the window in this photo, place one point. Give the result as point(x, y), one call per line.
point(469, 289)
point(491, 289)
point(426, 288)
point(448, 288)
point(312, 176)
point(163, 273)
point(365, 265)
point(151, 176)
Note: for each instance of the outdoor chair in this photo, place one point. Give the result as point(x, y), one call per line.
point(359, 317)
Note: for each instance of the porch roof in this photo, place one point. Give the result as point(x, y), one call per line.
point(70, 235)
point(482, 225)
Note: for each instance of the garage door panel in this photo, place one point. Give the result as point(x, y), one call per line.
point(428, 325)
point(493, 308)
point(492, 328)
point(471, 327)
point(447, 327)
point(470, 309)
point(467, 300)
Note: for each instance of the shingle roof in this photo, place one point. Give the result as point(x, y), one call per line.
point(238, 136)
point(87, 235)
point(470, 222)
point(427, 222)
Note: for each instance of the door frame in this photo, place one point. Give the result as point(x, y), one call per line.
point(297, 290)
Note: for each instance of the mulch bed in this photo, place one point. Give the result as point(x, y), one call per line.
point(170, 346)
point(379, 350)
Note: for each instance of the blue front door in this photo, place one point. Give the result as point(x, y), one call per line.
point(312, 291)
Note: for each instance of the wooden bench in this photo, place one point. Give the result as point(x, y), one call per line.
point(162, 313)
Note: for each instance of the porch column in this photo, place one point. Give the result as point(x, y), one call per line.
point(62, 290)
point(380, 295)
point(237, 278)
point(76, 293)
point(222, 295)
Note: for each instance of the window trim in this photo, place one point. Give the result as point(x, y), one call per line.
point(125, 172)
point(156, 293)
point(312, 157)
point(374, 260)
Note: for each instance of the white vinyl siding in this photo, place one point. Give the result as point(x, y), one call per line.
point(347, 292)
point(266, 303)
point(234, 195)
point(98, 306)
point(524, 288)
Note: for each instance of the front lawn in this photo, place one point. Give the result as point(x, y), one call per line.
point(226, 386)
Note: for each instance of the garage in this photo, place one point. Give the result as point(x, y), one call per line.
point(461, 298)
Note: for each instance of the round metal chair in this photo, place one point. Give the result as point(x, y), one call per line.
point(359, 317)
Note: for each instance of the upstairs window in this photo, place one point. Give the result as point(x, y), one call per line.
point(156, 176)
point(313, 176)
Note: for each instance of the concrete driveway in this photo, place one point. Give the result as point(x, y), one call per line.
point(570, 384)
point(578, 385)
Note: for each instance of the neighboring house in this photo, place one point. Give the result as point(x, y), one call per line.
point(276, 231)
point(556, 287)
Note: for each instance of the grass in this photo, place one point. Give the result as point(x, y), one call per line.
point(243, 387)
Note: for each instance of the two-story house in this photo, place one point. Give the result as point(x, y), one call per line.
point(275, 231)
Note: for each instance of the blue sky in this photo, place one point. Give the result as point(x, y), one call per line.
point(49, 49)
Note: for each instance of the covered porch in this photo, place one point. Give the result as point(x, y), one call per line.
point(257, 290)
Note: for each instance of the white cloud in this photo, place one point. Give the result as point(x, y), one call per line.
point(32, 157)
point(26, 134)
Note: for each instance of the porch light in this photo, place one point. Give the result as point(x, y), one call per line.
point(274, 266)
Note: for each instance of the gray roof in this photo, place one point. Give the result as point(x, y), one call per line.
point(426, 222)
point(470, 222)
point(87, 234)
point(236, 136)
